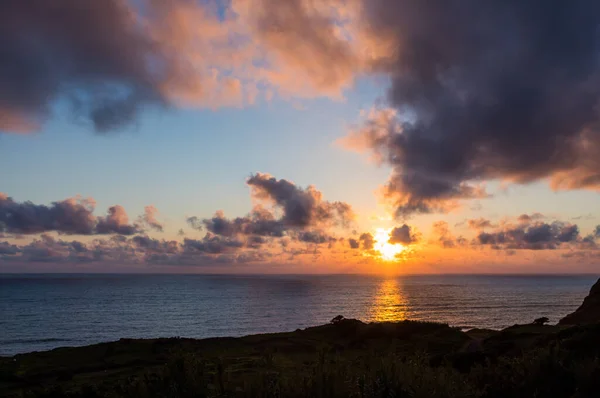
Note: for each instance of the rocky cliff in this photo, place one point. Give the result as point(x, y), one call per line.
point(588, 312)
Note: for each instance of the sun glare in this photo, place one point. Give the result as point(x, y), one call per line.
point(387, 250)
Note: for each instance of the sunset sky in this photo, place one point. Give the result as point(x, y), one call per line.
point(300, 136)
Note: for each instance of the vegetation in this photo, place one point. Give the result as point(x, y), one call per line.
point(346, 358)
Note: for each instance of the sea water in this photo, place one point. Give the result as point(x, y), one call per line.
point(41, 312)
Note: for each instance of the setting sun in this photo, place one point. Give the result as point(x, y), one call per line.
point(387, 250)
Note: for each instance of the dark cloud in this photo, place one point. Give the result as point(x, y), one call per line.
point(220, 225)
point(7, 249)
point(74, 216)
point(486, 90)
point(70, 216)
point(79, 247)
point(49, 249)
point(367, 241)
point(140, 249)
point(317, 237)
point(568, 233)
point(195, 223)
point(93, 53)
point(155, 246)
point(538, 236)
point(354, 244)
point(213, 244)
point(262, 222)
point(255, 241)
point(259, 222)
point(403, 234)
point(301, 207)
point(302, 214)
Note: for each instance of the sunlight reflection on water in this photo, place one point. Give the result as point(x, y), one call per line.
point(389, 303)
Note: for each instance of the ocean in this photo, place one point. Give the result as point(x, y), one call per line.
point(41, 312)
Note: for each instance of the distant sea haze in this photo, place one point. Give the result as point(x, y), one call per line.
point(41, 312)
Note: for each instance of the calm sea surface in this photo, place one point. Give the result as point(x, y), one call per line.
point(40, 312)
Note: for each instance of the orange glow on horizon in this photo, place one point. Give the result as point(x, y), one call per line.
point(387, 251)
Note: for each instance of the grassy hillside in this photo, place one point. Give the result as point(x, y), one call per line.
point(405, 359)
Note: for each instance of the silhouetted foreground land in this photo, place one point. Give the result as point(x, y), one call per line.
point(406, 359)
point(349, 358)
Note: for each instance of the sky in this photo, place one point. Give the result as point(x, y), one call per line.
point(331, 136)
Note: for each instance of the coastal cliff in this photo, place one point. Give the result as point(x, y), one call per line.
point(588, 312)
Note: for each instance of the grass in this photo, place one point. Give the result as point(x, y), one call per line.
point(349, 359)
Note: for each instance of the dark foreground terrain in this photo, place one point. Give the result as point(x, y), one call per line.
point(343, 359)
point(405, 359)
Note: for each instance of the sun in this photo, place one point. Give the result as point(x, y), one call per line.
point(387, 250)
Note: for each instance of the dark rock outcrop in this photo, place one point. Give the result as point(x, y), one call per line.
point(588, 312)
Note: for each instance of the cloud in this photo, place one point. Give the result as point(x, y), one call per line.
point(141, 249)
point(111, 59)
point(117, 222)
point(510, 98)
point(259, 222)
point(213, 244)
point(441, 234)
point(70, 216)
point(528, 218)
point(73, 216)
point(307, 42)
point(403, 234)
point(96, 55)
point(220, 225)
point(367, 241)
point(536, 236)
point(479, 223)
point(49, 249)
point(316, 237)
point(195, 223)
point(154, 245)
point(354, 244)
point(149, 218)
point(297, 213)
point(7, 249)
point(302, 207)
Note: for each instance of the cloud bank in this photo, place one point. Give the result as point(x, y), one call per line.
point(73, 216)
